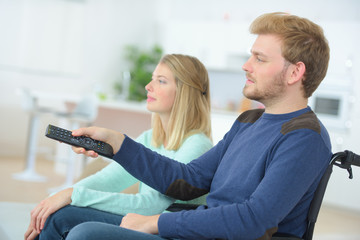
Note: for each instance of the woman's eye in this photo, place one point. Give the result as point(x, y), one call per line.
point(162, 81)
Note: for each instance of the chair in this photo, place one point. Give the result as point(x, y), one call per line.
point(29, 103)
point(85, 112)
point(344, 160)
point(83, 115)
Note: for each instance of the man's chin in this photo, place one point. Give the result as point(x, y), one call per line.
point(247, 93)
point(251, 96)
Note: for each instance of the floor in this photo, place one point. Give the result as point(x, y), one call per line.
point(22, 191)
point(17, 198)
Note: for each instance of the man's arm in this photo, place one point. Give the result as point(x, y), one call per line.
point(154, 170)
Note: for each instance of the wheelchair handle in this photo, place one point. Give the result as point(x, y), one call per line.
point(352, 158)
point(345, 160)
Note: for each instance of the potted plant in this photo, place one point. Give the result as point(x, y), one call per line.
point(142, 64)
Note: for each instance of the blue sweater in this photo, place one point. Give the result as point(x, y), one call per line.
point(261, 177)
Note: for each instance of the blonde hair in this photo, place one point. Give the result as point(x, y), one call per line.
point(302, 41)
point(190, 113)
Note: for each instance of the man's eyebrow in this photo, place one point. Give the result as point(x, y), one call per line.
point(258, 53)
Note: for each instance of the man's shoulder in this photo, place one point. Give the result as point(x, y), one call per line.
point(250, 116)
point(307, 120)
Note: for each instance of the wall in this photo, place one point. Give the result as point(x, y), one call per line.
point(76, 46)
point(60, 46)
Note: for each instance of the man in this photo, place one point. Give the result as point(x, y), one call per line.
point(262, 176)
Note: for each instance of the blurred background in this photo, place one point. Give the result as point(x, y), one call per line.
point(56, 54)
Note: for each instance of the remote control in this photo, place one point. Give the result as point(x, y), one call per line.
point(66, 136)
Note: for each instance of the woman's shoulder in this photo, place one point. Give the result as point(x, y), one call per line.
point(193, 146)
point(145, 137)
point(198, 139)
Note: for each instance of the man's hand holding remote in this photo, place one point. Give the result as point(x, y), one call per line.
point(114, 138)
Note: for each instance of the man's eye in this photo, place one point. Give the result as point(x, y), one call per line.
point(259, 59)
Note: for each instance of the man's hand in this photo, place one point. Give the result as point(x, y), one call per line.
point(146, 224)
point(115, 139)
point(44, 209)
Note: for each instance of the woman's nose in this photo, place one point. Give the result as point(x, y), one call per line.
point(148, 87)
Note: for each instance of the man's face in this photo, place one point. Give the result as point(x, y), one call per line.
point(265, 71)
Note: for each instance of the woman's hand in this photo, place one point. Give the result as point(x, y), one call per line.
point(44, 209)
point(115, 139)
point(30, 233)
point(141, 223)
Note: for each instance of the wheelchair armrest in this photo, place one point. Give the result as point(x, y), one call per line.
point(176, 207)
point(286, 238)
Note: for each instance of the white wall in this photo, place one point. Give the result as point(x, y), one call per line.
point(72, 46)
point(63, 46)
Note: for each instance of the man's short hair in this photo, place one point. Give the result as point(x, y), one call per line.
point(302, 41)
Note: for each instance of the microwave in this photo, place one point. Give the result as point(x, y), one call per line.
point(332, 106)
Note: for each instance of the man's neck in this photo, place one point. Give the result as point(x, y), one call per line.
point(286, 106)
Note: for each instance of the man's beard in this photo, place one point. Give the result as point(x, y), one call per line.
point(270, 93)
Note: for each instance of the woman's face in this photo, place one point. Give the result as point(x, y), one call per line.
point(161, 90)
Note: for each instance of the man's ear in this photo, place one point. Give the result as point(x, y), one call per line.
point(297, 72)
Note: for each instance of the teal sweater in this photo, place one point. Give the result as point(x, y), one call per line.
point(102, 190)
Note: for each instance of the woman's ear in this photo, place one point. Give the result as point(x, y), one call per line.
point(297, 72)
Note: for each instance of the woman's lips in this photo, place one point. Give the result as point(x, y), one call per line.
point(150, 99)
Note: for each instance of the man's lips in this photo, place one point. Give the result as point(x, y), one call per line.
point(249, 81)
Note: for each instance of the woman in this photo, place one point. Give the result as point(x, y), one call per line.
point(178, 131)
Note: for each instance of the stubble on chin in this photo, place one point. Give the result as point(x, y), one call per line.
point(250, 93)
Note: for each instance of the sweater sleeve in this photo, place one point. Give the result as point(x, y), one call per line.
point(198, 173)
point(193, 147)
point(102, 189)
point(112, 178)
point(148, 201)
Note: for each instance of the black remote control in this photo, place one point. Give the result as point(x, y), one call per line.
point(66, 136)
